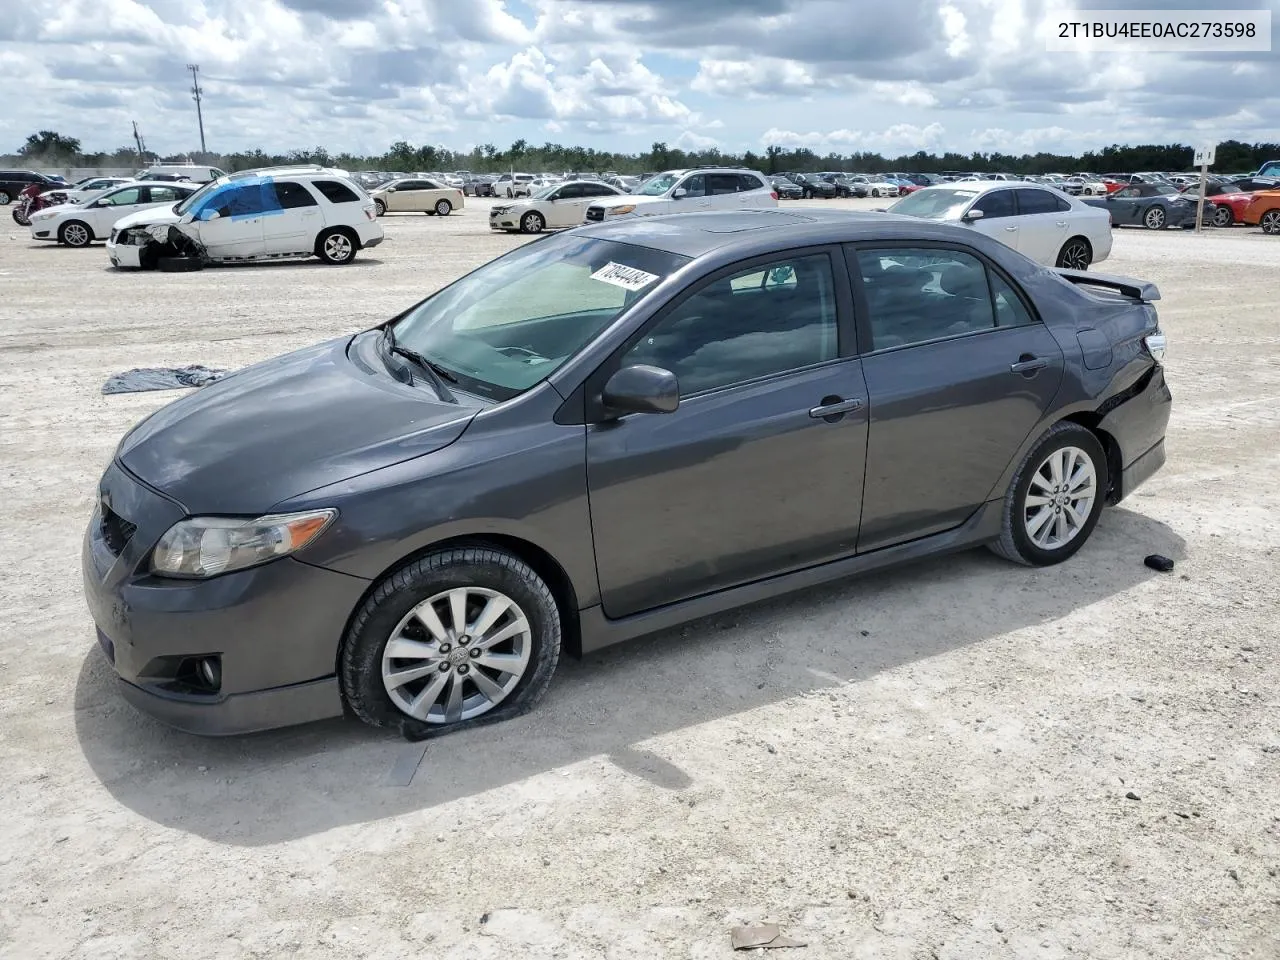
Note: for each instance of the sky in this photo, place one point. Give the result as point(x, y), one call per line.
point(832, 75)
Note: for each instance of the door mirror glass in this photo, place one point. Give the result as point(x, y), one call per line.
point(642, 389)
point(972, 215)
point(679, 192)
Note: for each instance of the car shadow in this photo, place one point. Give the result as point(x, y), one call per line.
point(285, 784)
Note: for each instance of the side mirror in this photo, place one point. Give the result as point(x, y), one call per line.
point(679, 192)
point(642, 389)
point(972, 215)
point(391, 189)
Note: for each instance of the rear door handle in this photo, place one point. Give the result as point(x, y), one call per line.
point(835, 409)
point(1028, 365)
point(1062, 223)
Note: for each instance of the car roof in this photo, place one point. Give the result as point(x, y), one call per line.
point(696, 234)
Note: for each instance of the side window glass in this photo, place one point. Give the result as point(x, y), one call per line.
point(722, 183)
point(917, 295)
point(695, 186)
point(997, 203)
point(293, 195)
point(124, 198)
point(1061, 205)
point(572, 191)
point(1010, 310)
point(161, 194)
point(1036, 201)
point(761, 321)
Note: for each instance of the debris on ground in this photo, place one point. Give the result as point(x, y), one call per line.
point(761, 936)
point(142, 379)
point(1157, 562)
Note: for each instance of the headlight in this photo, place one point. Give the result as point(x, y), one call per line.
point(207, 546)
point(619, 211)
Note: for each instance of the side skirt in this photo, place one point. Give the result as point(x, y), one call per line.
point(599, 631)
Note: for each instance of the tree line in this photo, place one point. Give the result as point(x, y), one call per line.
point(51, 149)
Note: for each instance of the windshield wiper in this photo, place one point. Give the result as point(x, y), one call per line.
point(436, 374)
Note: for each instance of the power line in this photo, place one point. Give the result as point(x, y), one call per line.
point(196, 94)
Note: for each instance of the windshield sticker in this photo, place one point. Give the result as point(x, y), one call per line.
point(620, 275)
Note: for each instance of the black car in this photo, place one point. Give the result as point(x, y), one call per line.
point(689, 413)
point(787, 189)
point(13, 182)
point(480, 185)
point(811, 185)
point(1247, 185)
point(1151, 205)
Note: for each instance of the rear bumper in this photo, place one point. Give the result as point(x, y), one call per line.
point(1138, 426)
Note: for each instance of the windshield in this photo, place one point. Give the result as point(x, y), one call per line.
point(934, 203)
point(511, 323)
point(546, 192)
point(658, 185)
point(182, 208)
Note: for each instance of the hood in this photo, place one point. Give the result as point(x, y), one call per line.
point(148, 217)
point(289, 425)
point(624, 199)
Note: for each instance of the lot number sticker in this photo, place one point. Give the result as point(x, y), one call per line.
point(620, 275)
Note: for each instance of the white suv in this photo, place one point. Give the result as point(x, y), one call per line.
point(269, 214)
point(689, 191)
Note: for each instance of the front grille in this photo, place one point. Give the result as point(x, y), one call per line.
point(116, 531)
point(595, 213)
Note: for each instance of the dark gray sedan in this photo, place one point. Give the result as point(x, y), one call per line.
point(604, 433)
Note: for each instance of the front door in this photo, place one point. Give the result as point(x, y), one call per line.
point(109, 209)
point(569, 205)
point(958, 374)
point(236, 231)
point(760, 469)
point(1123, 205)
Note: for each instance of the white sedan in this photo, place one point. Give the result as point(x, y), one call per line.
point(79, 224)
point(558, 205)
point(88, 187)
point(1039, 222)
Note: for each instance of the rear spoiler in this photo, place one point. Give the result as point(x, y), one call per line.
point(1125, 286)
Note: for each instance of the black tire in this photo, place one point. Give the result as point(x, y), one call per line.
point(337, 247)
point(75, 233)
point(1270, 222)
point(1015, 542)
point(1223, 217)
point(20, 218)
point(6, 198)
point(532, 222)
point(1076, 254)
point(443, 208)
point(360, 658)
point(1155, 218)
point(179, 264)
point(379, 207)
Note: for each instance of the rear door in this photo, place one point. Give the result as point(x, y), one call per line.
point(294, 223)
point(959, 370)
point(1042, 224)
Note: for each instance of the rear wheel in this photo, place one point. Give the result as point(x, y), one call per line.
point(1055, 498)
point(1076, 254)
point(75, 234)
point(463, 635)
point(1154, 219)
point(443, 208)
point(1223, 217)
point(6, 198)
point(532, 222)
point(336, 247)
point(1270, 221)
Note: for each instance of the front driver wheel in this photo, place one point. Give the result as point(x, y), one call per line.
point(379, 207)
point(532, 223)
point(1154, 219)
point(1055, 498)
point(75, 234)
point(1270, 222)
point(1223, 217)
point(1075, 254)
point(464, 634)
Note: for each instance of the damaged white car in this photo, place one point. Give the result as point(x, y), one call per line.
point(271, 214)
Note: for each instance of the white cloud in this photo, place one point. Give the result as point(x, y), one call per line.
point(899, 138)
point(688, 140)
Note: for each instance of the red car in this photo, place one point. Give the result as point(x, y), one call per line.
point(1231, 207)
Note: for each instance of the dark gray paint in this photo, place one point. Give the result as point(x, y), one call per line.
point(642, 520)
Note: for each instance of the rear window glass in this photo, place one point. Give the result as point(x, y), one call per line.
point(336, 192)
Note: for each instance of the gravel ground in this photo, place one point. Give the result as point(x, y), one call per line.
point(956, 759)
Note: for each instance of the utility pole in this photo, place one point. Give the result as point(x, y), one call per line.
point(196, 94)
point(142, 147)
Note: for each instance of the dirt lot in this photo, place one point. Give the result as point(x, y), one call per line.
point(926, 763)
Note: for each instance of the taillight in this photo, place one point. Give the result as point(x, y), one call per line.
point(774, 194)
point(1156, 344)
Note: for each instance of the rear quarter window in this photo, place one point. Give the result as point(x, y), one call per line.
point(335, 191)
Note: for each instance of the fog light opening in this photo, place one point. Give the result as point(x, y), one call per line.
point(209, 671)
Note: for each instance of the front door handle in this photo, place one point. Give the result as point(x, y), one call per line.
point(1010, 229)
point(834, 408)
point(1062, 223)
point(1028, 364)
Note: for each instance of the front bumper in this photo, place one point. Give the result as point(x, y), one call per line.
point(274, 629)
point(126, 255)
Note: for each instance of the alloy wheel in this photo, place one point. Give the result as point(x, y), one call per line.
point(456, 655)
point(75, 235)
point(532, 223)
point(1271, 221)
point(337, 247)
point(1222, 217)
point(1060, 499)
point(1075, 256)
point(1154, 218)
